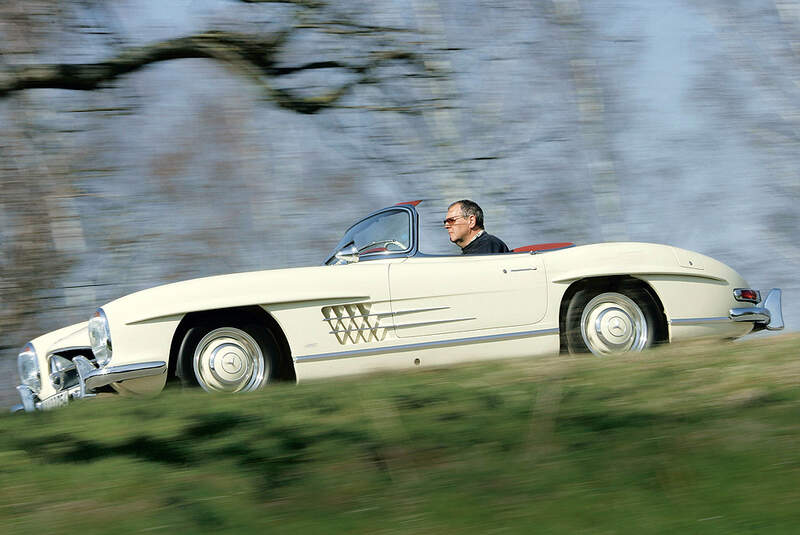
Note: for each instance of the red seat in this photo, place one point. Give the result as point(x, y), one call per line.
point(543, 247)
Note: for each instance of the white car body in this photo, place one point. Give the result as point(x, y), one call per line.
point(400, 309)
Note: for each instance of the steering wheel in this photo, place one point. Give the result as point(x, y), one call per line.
point(380, 246)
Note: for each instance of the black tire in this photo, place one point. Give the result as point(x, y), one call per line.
point(224, 357)
point(611, 321)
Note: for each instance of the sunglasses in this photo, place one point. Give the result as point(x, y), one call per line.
point(452, 220)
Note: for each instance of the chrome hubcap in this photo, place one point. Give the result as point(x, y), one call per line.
point(613, 323)
point(229, 360)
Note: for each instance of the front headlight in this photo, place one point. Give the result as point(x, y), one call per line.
point(100, 337)
point(28, 366)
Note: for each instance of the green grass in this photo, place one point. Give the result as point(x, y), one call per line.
point(689, 439)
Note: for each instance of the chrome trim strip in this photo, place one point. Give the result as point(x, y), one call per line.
point(639, 274)
point(412, 310)
point(423, 345)
point(434, 322)
point(418, 324)
point(523, 269)
point(336, 318)
point(692, 321)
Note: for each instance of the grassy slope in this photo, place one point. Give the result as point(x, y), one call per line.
point(701, 438)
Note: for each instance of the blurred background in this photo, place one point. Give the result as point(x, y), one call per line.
point(670, 121)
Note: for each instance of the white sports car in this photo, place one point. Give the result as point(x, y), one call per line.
point(380, 303)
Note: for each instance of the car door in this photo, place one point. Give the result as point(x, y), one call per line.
point(439, 295)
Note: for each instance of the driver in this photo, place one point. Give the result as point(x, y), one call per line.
point(464, 224)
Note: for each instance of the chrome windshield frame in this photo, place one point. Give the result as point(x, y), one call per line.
point(413, 248)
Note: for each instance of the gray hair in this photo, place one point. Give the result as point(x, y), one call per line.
point(469, 208)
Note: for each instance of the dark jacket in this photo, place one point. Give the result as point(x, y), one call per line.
point(485, 244)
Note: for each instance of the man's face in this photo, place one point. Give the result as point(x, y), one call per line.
point(457, 226)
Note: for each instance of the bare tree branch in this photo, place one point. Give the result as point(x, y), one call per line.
point(303, 3)
point(89, 76)
point(251, 55)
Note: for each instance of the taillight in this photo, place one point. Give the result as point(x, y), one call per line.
point(746, 294)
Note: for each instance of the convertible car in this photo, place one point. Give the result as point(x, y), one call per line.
point(380, 303)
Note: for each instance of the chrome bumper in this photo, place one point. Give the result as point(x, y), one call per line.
point(768, 316)
point(90, 378)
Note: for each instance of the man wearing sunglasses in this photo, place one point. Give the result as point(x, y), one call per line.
point(464, 224)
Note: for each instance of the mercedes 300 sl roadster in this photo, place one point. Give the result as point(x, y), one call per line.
point(380, 303)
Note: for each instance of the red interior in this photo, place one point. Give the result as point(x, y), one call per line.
point(543, 247)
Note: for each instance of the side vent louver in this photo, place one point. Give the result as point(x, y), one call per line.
point(354, 324)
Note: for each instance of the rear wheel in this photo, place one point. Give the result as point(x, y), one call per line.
point(228, 358)
point(610, 322)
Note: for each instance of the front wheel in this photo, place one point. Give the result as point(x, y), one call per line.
point(610, 322)
point(222, 358)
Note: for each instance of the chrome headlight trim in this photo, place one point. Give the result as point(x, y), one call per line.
point(28, 368)
point(100, 337)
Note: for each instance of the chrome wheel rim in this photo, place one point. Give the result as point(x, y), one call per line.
point(229, 360)
point(613, 323)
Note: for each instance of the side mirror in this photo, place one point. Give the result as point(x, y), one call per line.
point(347, 255)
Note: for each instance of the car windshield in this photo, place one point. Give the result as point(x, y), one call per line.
point(384, 232)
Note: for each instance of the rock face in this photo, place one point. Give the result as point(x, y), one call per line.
point(670, 121)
